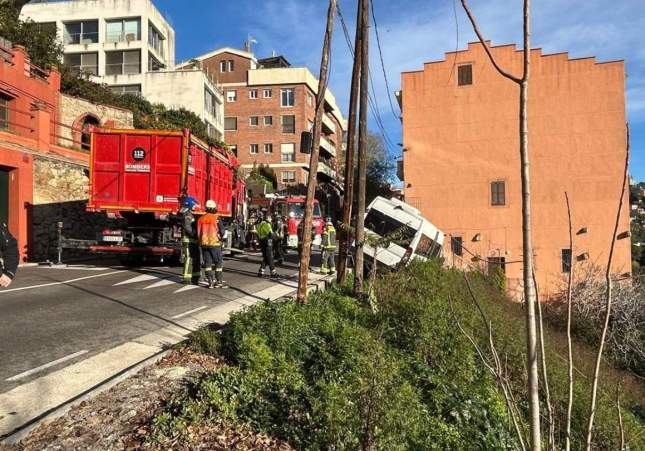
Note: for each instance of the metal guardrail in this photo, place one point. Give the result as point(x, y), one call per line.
point(77, 143)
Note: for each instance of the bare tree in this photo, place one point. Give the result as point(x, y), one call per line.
point(348, 197)
point(315, 151)
point(567, 437)
point(608, 299)
point(545, 374)
point(527, 246)
point(362, 150)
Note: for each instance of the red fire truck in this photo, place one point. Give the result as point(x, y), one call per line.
point(139, 178)
point(294, 210)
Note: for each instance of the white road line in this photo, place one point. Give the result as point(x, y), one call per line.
point(163, 283)
point(45, 366)
point(60, 283)
point(79, 267)
point(189, 312)
point(141, 278)
point(186, 288)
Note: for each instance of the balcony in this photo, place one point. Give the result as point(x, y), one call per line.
point(328, 124)
point(326, 170)
point(327, 146)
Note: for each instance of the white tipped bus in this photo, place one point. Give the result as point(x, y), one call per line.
point(409, 234)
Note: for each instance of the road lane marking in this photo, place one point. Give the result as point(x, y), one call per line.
point(40, 368)
point(141, 278)
point(64, 282)
point(163, 283)
point(186, 288)
point(79, 267)
point(189, 312)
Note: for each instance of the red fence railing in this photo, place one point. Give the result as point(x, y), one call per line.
point(76, 139)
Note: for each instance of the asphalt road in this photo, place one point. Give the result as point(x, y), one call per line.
point(54, 317)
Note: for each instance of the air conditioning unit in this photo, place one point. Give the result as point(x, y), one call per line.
point(130, 37)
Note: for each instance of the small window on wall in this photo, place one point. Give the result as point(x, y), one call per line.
point(498, 193)
point(268, 148)
point(231, 96)
point(254, 121)
point(287, 97)
point(496, 264)
point(233, 148)
point(288, 176)
point(288, 124)
point(253, 94)
point(230, 123)
point(254, 149)
point(268, 120)
point(4, 112)
point(231, 65)
point(222, 66)
point(456, 245)
point(268, 93)
point(465, 75)
point(566, 260)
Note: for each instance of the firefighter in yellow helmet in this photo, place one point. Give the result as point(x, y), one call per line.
point(328, 246)
point(210, 235)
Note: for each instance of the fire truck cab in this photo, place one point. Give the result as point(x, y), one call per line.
point(293, 208)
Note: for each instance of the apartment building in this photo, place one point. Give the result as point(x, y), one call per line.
point(130, 46)
point(461, 163)
point(268, 103)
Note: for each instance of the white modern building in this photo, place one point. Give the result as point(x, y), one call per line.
point(130, 46)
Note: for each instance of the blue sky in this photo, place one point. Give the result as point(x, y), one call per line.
point(415, 31)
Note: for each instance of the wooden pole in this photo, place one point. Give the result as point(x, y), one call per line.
point(362, 149)
point(348, 197)
point(313, 160)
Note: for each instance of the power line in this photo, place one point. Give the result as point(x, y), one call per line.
point(380, 52)
point(372, 102)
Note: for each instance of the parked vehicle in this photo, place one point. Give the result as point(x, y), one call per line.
point(293, 208)
point(406, 232)
point(139, 177)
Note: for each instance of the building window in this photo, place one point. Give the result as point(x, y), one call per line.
point(465, 75)
point(126, 89)
point(268, 121)
point(254, 149)
point(211, 103)
point(231, 96)
point(233, 148)
point(566, 260)
point(253, 94)
point(268, 93)
point(87, 63)
point(222, 66)
point(288, 176)
point(310, 126)
point(4, 112)
point(310, 99)
point(84, 32)
point(230, 123)
point(268, 148)
point(496, 264)
point(456, 245)
point(287, 152)
point(231, 65)
point(123, 30)
point(288, 124)
point(254, 121)
point(154, 64)
point(155, 40)
point(125, 62)
point(498, 193)
point(287, 97)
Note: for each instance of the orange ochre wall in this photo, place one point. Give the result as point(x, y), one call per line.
point(458, 139)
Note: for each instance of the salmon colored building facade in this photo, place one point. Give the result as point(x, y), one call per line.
point(461, 164)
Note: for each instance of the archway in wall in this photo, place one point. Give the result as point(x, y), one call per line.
point(81, 130)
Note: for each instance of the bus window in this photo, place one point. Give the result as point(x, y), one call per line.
point(384, 226)
point(427, 247)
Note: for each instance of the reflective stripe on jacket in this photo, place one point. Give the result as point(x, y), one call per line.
point(329, 237)
point(208, 230)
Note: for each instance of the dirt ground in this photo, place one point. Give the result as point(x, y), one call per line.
point(120, 418)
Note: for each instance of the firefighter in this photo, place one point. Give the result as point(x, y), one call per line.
point(266, 235)
point(278, 238)
point(209, 232)
point(190, 247)
point(251, 230)
point(328, 246)
point(8, 256)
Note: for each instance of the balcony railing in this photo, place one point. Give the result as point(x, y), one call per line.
point(122, 37)
point(327, 146)
point(82, 38)
point(324, 168)
point(10, 122)
point(327, 122)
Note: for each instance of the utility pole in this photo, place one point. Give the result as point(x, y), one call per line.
point(313, 160)
point(362, 148)
point(348, 197)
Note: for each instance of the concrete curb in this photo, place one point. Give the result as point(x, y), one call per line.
point(149, 348)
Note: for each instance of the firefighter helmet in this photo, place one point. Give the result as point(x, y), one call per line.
point(210, 204)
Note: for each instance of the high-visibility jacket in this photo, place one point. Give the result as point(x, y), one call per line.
point(265, 230)
point(329, 237)
point(208, 231)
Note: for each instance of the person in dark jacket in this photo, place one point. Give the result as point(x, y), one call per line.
point(278, 239)
point(190, 246)
point(8, 256)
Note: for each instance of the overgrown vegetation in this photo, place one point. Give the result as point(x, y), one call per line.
point(263, 174)
point(335, 374)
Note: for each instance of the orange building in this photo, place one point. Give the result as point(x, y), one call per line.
point(461, 164)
